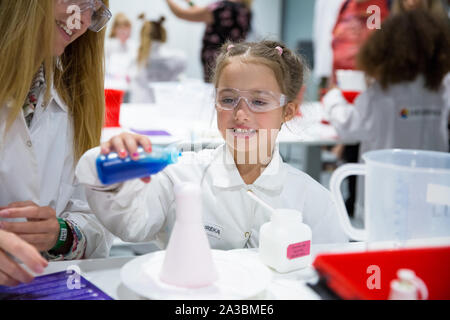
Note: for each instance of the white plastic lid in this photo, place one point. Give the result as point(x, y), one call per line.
point(406, 275)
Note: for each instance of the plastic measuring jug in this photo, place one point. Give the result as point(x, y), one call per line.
point(406, 196)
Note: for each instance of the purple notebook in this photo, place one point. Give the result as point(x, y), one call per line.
point(53, 287)
point(151, 132)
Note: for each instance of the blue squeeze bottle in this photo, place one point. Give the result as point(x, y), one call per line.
point(112, 169)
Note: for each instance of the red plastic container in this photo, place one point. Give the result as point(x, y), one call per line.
point(113, 101)
point(350, 96)
point(348, 274)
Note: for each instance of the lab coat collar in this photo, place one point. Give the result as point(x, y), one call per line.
point(226, 175)
point(55, 96)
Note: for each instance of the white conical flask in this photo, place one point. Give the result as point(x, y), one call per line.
point(188, 261)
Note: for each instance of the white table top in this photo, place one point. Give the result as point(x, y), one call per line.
point(197, 125)
point(105, 274)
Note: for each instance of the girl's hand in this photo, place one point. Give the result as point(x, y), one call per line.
point(127, 144)
point(42, 228)
point(11, 273)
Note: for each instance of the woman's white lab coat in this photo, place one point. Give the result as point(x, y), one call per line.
point(137, 212)
point(37, 164)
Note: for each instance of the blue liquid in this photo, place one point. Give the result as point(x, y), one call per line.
point(112, 169)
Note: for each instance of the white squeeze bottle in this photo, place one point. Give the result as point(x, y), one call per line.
point(408, 286)
point(285, 241)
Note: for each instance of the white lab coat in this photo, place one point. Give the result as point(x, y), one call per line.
point(406, 116)
point(137, 212)
point(37, 164)
point(325, 17)
point(164, 65)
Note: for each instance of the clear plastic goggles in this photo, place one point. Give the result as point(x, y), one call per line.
point(258, 101)
point(100, 14)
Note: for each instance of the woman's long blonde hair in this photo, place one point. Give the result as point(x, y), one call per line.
point(26, 42)
point(151, 31)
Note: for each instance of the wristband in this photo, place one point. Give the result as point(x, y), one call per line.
point(62, 235)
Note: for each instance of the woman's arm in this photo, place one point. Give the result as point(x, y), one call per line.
point(193, 13)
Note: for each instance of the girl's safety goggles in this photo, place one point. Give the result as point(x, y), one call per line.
point(258, 101)
point(100, 14)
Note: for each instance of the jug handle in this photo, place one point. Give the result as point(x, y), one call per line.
point(335, 187)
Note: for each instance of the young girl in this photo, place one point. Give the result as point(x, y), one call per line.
point(51, 112)
point(257, 85)
point(155, 62)
point(120, 53)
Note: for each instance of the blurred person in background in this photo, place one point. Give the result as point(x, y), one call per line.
point(120, 52)
point(155, 62)
point(349, 34)
point(225, 20)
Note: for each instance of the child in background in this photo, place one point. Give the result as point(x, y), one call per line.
point(120, 53)
point(405, 107)
point(257, 85)
point(155, 62)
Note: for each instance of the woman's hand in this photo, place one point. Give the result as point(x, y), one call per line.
point(42, 228)
point(127, 144)
point(11, 273)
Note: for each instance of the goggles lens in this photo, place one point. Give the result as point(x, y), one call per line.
point(100, 14)
point(258, 101)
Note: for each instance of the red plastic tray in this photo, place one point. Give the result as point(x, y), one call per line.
point(347, 274)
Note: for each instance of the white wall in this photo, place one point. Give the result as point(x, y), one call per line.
point(187, 35)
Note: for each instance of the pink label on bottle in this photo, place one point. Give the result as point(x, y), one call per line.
point(298, 250)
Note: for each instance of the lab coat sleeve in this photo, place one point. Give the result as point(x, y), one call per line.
point(133, 211)
point(98, 239)
point(352, 122)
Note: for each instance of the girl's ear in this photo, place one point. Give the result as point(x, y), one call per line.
point(291, 110)
point(293, 107)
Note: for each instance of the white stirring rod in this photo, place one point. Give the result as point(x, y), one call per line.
point(261, 202)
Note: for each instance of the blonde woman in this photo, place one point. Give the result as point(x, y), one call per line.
point(225, 20)
point(51, 112)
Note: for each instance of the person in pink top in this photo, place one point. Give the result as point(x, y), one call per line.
point(351, 31)
point(349, 34)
